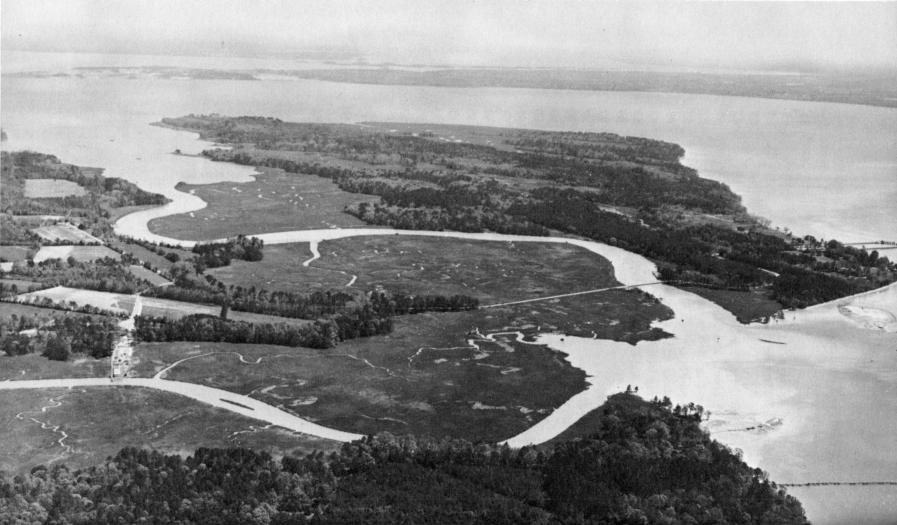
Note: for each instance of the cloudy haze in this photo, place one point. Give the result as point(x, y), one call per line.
point(465, 32)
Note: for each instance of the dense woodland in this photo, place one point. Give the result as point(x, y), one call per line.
point(625, 191)
point(58, 335)
point(644, 462)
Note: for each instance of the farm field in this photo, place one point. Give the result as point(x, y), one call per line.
point(275, 201)
point(65, 232)
point(14, 253)
point(152, 306)
point(154, 278)
point(99, 421)
point(8, 309)
point(80, 253)
point(52, 189)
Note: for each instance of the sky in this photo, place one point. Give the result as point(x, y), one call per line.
point(470, 32)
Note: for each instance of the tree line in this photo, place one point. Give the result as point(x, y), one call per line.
point(642, 463)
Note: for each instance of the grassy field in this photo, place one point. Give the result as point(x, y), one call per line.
point(100, 421)
point(80, 253)
point(64, 232)
point(154, 278)
point(491, 271)
point(275, 201)
point(52, 188)
point(35, 366)
point(9, 309)
point(424, 378)
point(14, 253)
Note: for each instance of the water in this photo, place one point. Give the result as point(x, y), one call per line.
point(825, 169)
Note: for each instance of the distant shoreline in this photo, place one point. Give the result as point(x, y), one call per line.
point(874, 89)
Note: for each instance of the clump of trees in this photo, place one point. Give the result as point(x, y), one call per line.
point(215, 254)
point(645, 462)
point(57, 336)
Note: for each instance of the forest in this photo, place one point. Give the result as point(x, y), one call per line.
point(625, 191)
point(643, 462)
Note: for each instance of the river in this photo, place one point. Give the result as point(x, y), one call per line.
point(820, 406)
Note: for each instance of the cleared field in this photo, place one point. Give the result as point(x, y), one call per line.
point(275, 201)
point(52, 189)
point(154, 278)
point(93, 423)
point(65, 232)
point(491, 271)
point(14, 253)
point(80, 253)
point(152, 306)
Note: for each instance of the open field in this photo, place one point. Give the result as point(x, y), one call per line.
point(491, 271)
point(14, 253)
point(97, 422)
point(275, 201)
point(35, 366)
point(424, 378)
point(154, 278)
point(65, 232)
point(9, 309)
point(80, 253)
point(52, 189)
point(152, 306)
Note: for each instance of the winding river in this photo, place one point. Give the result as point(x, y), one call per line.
point(810, 398)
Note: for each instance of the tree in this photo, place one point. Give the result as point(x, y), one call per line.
point(58, 349)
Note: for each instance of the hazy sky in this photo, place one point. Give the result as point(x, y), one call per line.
point(566, 33)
